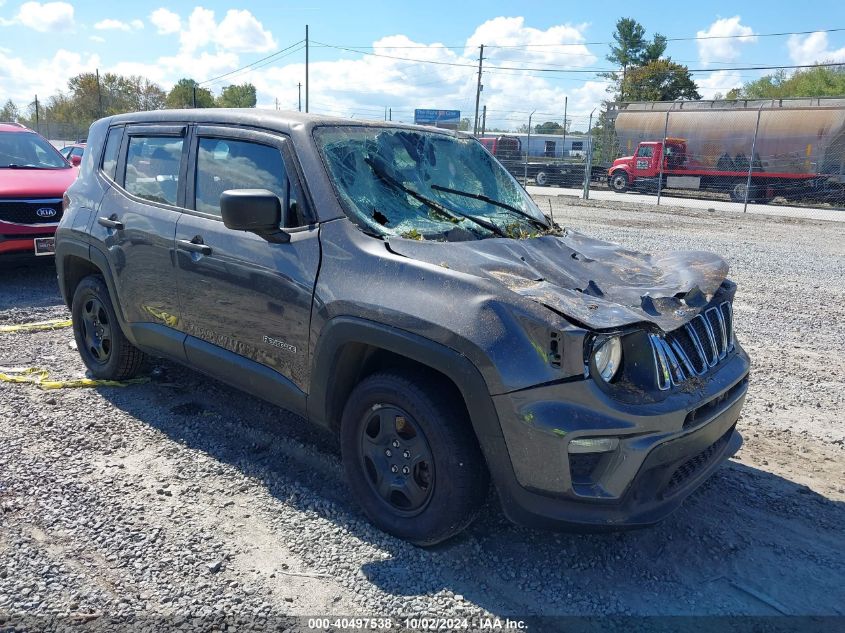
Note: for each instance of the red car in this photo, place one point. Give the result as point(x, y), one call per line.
point(73, 153)
point(33, 178)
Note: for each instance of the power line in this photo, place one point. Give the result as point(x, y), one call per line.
point(575, 70)
point(668, 39)
point(258, 61)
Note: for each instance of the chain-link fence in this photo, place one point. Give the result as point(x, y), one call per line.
point(61, 134)
point(735, 155)
point(729, 154)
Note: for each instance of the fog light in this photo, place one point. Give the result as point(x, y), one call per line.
point(593, 444)
point(607, 356)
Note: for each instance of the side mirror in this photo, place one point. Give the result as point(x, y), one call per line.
point(75, 160)
point(256, 210)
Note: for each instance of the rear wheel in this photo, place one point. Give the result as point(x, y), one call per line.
point(104, 349)
point(541, 179)
point(411, 458)
point(619, 181)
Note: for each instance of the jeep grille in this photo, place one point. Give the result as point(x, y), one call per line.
point(693, 349)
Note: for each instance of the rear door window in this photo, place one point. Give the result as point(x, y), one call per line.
point(152, 168)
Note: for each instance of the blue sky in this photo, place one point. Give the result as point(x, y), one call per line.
point(43, 44)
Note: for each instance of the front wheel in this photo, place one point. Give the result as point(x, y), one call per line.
point(619, 181)
point(541, 179)
point(411, 458)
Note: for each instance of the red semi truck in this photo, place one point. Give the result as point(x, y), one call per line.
point(799, 152)
point(730, 175)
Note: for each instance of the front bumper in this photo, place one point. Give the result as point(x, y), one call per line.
point(19, 240)
point(666, 450)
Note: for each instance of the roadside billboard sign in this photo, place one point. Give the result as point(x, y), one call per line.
point(438, 118)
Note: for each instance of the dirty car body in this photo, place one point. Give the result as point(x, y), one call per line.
point(601, 385)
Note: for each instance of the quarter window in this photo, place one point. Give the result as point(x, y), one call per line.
point(224, 164)
point(110, 152)
point(152, 168)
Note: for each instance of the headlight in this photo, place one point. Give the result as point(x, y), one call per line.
point(607, 356)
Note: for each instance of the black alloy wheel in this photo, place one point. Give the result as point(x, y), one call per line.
point(397, 459)
point(101, 343)
point(411, 457)
point(95, 327)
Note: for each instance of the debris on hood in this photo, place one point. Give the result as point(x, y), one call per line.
point(599, 284)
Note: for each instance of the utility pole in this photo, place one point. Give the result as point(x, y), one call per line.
point(527, 150)
point(306, 68)
point(277, 103)
point(484, 119)
point(390, 114)
point(478, 89)
point(99, 95)
point(299, 88)
point(36, 113)
point(194, 91)
point(565, 105)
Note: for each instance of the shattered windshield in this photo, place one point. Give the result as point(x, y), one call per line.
point(425, 185)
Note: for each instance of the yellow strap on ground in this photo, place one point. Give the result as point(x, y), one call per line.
point(53, 324)
point(38, 377)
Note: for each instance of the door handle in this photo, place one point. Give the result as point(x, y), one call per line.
point(195, 246)
point(111, 222)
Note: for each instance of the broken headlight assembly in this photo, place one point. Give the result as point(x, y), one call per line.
point(606, 356)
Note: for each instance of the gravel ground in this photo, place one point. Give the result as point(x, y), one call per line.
point(182, 497)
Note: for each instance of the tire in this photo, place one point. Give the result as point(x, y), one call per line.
point(737, 193)
point(102, 345)
point(411, 457)
point(541, 179)
point(618, 181)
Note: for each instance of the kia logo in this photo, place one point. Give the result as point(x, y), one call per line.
point(45, 212)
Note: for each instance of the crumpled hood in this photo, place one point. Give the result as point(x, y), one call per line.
point(600, 284)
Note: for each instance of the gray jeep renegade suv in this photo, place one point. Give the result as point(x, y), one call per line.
point(396, 285)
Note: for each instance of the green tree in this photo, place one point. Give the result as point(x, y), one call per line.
point(147, 95)
point(659, 80)
point(463, 126)
point(632, 49)
point(818, 81)
point(9, 112)
point(233, 96)
point(182, 95)
point(549, 127)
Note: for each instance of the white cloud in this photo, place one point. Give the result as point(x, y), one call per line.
point(813, 48)
point(719, 82)
point(96, 38)
point(361, 85)
point(21, 79)
point(727, 36)
point(165, 21)
point(200, 31)
point(561, 44)
point(240, 31)
point(50, 16)
point(364, 86)
point(116, 25)
point(111, 25)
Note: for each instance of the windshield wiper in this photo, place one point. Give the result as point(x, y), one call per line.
point(17, 166)
point(452, 213)
point(489, 200)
